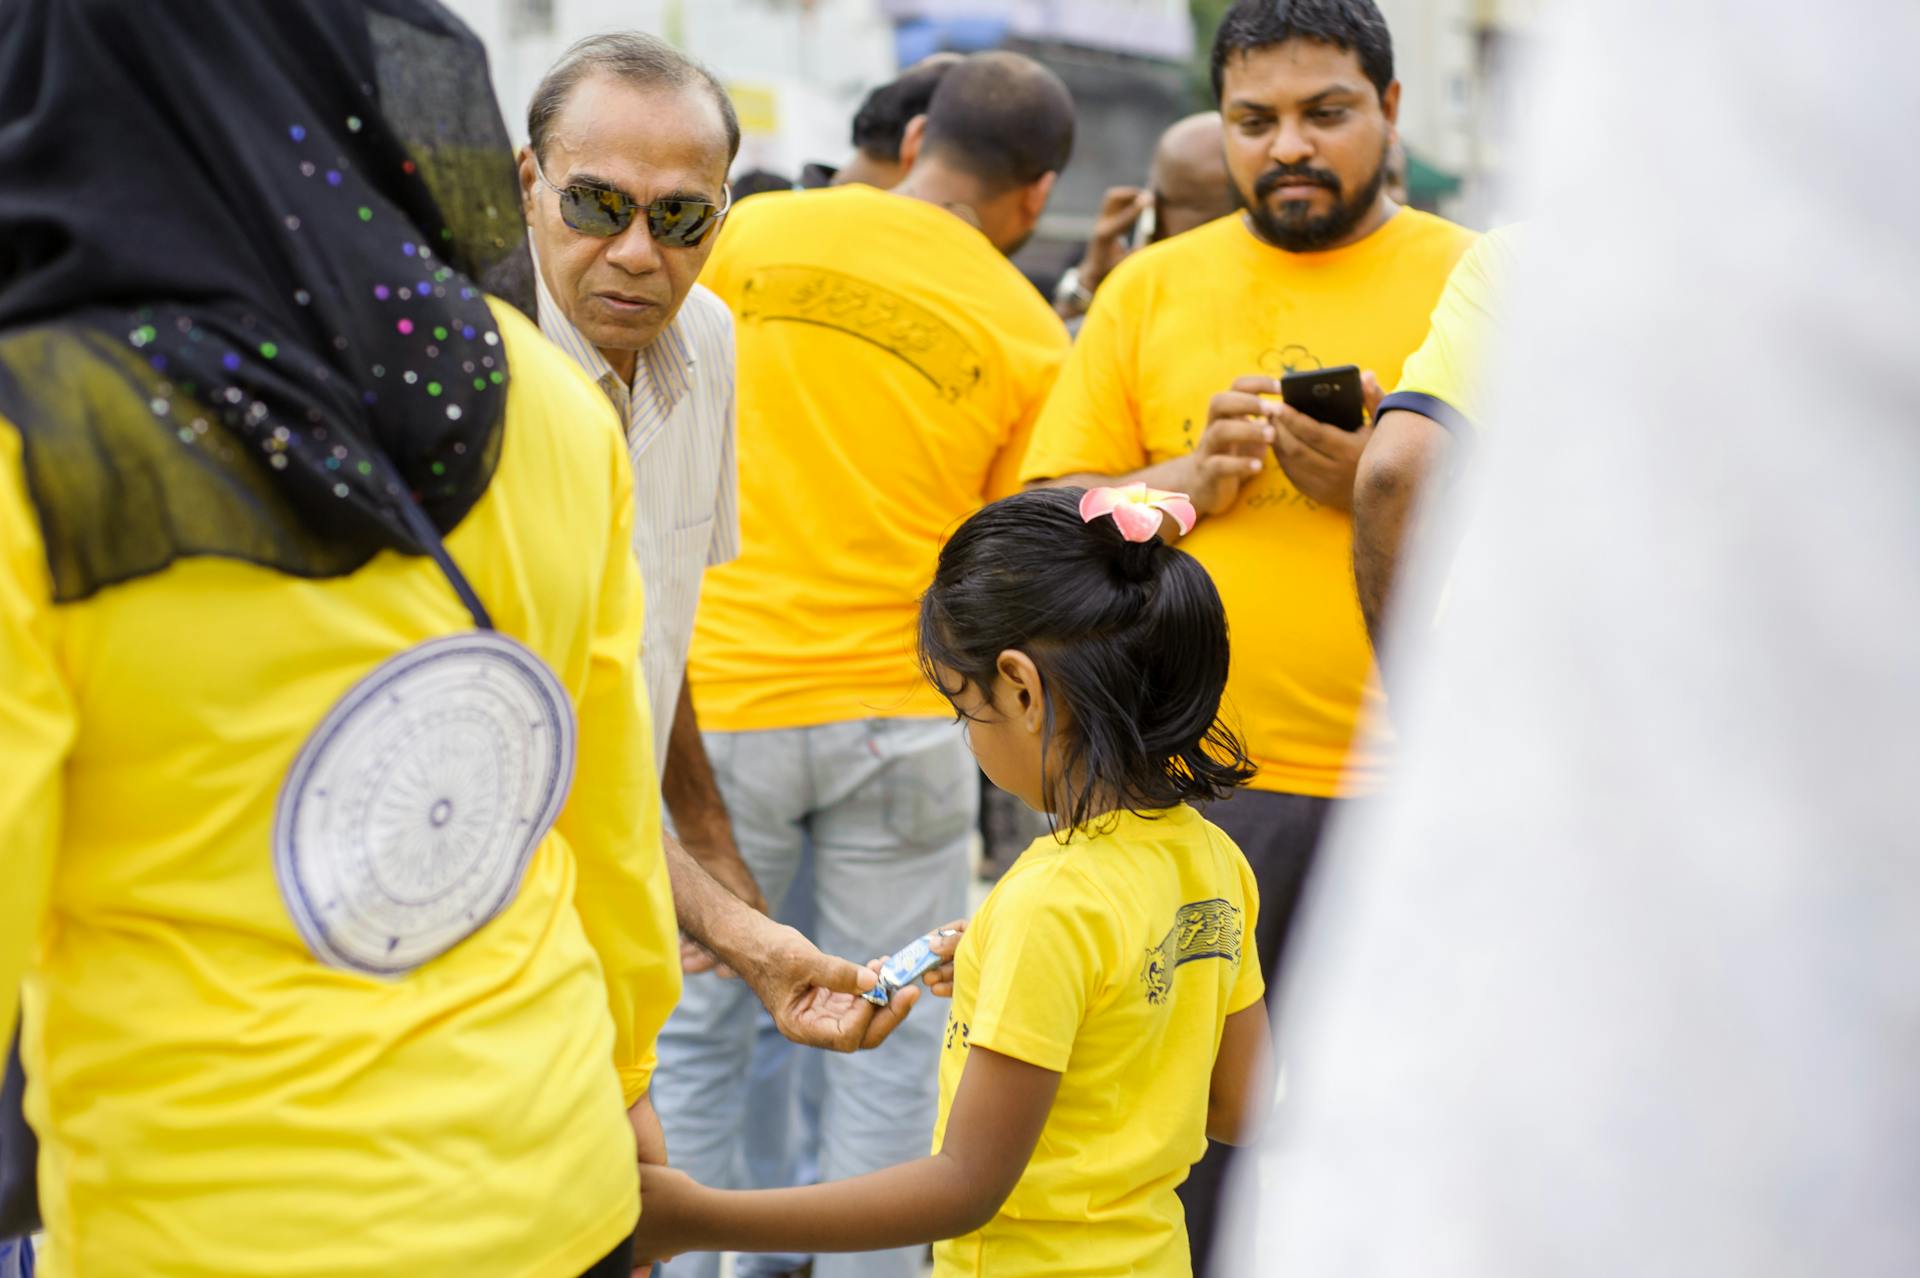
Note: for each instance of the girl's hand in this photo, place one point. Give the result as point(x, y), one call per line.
point(940, 979)
point(999, 1110)
point(668, 1200)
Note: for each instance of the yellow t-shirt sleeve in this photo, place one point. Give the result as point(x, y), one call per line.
point(612, 817)
point(1449, 364)
point(1250, 985)
point(1005, 477)
point(1091, 424)
point(38, 722)
point(1047, 948)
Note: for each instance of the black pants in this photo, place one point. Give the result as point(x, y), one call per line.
point(617, 1263)
point(1278, 833)
point(19, 1153)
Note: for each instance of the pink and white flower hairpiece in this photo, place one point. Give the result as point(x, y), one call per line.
point(1137, 508)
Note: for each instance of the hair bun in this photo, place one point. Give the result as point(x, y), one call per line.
point(1138, 559)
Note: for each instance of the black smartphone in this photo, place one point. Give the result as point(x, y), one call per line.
point(1330, 395)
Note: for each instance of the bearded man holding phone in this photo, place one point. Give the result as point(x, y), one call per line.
point(1176, 381)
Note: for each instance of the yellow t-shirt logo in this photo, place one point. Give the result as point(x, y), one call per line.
point(1279, 361)
point(863, 309)
point(1201, 930)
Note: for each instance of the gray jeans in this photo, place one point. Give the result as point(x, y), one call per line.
point(887, 807)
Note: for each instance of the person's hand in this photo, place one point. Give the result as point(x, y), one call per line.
point(1234, 447)
point(939, 981)
point(649, 1138)
point(696, 958)
point(1322, 460)
point(815, 998)
point(669, 1201)
point(1120, 208)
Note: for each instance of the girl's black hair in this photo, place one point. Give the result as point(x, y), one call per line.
point(1129, 638)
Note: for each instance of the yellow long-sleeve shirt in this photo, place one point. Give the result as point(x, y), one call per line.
point(211, 1097)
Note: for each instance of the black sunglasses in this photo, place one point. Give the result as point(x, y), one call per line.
point(597, 211)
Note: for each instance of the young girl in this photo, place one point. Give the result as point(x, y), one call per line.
point(1107, 1014)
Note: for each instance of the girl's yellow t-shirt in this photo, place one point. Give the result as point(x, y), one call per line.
point(1115, 961)
point(211, 1098)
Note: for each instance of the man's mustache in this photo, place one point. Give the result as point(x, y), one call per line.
point(1292, 175)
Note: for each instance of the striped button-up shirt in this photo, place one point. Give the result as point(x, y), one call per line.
point(679, 416)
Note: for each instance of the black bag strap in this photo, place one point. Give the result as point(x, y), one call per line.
point(427, 535)
point(422, 527)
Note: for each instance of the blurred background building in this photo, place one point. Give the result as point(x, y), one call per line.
point(797, 70)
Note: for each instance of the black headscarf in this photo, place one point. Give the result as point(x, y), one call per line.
point(243, 250)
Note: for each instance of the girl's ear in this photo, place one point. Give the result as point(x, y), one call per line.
point(1019, 684)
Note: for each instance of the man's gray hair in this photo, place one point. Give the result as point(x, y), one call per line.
point(634, 58)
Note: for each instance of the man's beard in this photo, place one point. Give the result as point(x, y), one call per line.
point(1296, 230)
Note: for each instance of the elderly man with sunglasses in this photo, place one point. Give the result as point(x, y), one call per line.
point(624, 184)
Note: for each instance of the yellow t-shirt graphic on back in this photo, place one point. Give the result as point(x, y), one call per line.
point(1115, 960)
point(1174, 325)
point(215, 1095)
point(891, 362)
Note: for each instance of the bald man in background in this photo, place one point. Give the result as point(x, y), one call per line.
point(1186, 187)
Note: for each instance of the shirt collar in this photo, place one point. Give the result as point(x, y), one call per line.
point(663, 371)
point(668, 363)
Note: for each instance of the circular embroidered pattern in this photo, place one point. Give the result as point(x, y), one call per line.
point(411, 812)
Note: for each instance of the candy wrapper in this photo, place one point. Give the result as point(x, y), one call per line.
point(903, 967)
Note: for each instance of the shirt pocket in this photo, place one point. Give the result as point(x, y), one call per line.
point(673, 571)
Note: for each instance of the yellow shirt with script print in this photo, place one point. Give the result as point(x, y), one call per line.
point(1115, 961)
point(1173, 326)
point(890, 363)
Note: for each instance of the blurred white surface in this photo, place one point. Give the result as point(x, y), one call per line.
point(1624, 976)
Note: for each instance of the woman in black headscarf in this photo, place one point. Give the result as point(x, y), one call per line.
point(315, 592)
